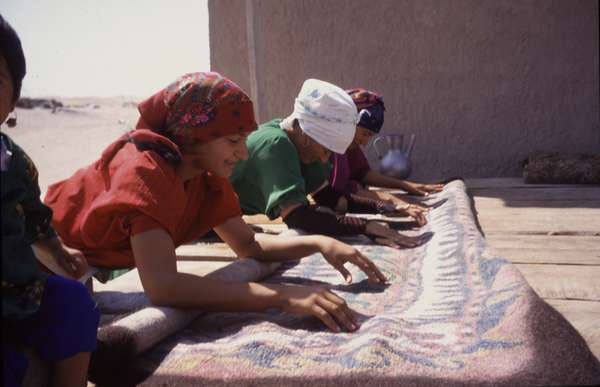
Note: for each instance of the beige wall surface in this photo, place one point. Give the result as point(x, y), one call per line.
point(482, 83)
point(228, 41)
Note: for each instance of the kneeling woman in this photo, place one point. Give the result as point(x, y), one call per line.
point(166, 183)
point(351, 171)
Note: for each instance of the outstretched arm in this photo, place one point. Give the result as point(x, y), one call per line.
point(276, 248)
point(155, 258)
point(376, 179)
point(59, 258)
point(328, 223)
point(400, 206)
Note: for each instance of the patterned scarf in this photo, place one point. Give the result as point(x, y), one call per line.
point(198, 107)
point(370, 108)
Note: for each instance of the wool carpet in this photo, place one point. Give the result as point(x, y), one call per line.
point(453, 313)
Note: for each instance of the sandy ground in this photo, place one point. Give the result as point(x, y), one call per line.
point(62, 142)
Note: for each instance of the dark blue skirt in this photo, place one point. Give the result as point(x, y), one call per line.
point(65, 324)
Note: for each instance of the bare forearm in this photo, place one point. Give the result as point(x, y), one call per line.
point(388, 197)
point(367, 193)
point(154, 254)
point(382, 195)
point(185, 290)
point(47, 252)
point(49, 245)
point(376, 179)
point(60, 259)
point(275, 248)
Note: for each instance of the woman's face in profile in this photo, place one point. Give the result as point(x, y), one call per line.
point(308, 149)
point(6, 90)
point(313, 151)
point(362, 136)
point(218, 156)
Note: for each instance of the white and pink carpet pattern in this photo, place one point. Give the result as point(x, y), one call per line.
point(453, 313)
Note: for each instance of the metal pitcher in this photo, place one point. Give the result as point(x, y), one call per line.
point(395, 162)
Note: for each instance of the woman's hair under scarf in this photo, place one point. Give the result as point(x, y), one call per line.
point(370, 108)
point(11, 50)
point(198, 108)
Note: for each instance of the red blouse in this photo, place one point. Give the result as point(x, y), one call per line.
point(127, 192)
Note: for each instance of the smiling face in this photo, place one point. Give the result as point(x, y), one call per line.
point(6, 90)
point(218, 156)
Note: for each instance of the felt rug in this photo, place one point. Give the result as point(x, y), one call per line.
point(130, 324)
point(453, 313)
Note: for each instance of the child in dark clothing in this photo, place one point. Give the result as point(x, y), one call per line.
point(53, 315)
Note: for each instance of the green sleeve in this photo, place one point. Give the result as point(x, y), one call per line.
point(315, 174)
point(280, 180)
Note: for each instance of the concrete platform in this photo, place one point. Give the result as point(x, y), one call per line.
point(552, 234)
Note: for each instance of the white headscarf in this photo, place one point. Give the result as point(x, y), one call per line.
point(326, 113)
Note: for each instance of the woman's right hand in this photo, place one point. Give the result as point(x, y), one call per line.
point(384, 235)
point(338, 253)
point(320, 302)
point(416, 212)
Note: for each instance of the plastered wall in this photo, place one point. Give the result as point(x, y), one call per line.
point(483, 83)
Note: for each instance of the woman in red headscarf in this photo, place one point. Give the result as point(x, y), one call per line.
point(166, 183)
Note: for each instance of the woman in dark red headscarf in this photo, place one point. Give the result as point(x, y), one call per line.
point(166, 183)
point(351, 171)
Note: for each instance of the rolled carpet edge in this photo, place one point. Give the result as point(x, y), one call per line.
point(128, 337)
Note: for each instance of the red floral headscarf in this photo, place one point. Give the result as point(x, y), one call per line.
point(198, 107)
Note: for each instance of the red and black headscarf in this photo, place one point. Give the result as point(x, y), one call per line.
point(198, 107)
point(370, 108)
